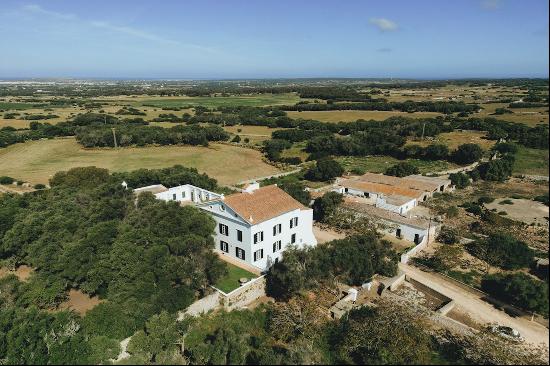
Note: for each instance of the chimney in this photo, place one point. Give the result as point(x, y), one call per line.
point(251, 187)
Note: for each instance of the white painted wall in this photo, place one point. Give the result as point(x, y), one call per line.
point(187, 192)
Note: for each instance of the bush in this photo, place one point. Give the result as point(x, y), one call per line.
point(39, 186)
point(518, 289)
point(485, 199)
point(6, 180)
point(237, 139)
point(402, 170)
point(448, 235)
point(506, 202)
point(506, 148)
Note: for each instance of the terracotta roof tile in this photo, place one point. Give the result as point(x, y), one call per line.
point(262, 204)
point(381, 188)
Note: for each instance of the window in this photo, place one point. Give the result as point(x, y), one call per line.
point(182, 194)
point(276, 246)
point(224, 246)
point(259, 254)
point(258, 237)
point(224, 230)
point(174, 196)
point(293, 239)
point(240, 253)
point(346, 190)
point(293, 222)
point(239, 235)
point(277, 229)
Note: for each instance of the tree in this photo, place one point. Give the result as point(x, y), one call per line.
point(502, 250)
point(391, 333)
point(518, 289)
point(402, 170)
point(467, 154)
point(326, 204)
point(158, 341)
point(325, 169)
point(236, 139)
point(496, 170)
point(436, 152)
point(459, 180)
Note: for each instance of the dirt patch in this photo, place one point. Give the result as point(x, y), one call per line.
point(415, 294)
point(22, 272)
point(325, 235)
point(79, 302)
point(523, 210)
point(462, 317)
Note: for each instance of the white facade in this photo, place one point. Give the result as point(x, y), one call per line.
point(259, 245)
point(187, 192)
point(397, 204)
point(262, 244)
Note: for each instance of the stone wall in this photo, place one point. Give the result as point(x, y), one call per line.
point(244, 295)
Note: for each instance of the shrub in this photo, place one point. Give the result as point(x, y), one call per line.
point(448, 235)
point(6, 180)
point(506, 202)
point(39, 186)
point(237, 139)
point(485, 199)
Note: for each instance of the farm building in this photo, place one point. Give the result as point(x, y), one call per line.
point(254, 226)
point(394, 194)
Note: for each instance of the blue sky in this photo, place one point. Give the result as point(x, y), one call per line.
point(276, 38)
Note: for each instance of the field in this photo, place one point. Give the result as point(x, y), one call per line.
point(350, 116)
point(256, 134)
point(531, 161)
point(456, 138)
point(37, 161)
point(214, 102)
point(231, 281)
point(379, 164)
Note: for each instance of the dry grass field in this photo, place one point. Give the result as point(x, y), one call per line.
point(351, 116)
point(456, 138)
point(37, 161)
point(256, 134)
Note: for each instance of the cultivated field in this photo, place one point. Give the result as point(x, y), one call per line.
point(37, 161)
point(350, 116)
point(531, 161)
point(217, 101)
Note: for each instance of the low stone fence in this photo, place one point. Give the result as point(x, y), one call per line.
point(244, 295)
point(238, 298)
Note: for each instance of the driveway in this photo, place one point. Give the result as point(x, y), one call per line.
point(478, 309)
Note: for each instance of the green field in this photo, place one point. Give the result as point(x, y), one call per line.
point(37, 161)
point(14, 105)
point(379, 164)
point(214, 102)
point(531, 161)
point(231, 281)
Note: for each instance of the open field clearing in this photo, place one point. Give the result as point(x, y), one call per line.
point(456, 138)
point(79, 302)
point(256, 134)
point(531, 161)
point(379, 164)
point(522, 210)
point(37, 161)
point(214, 102)
point(351, 116)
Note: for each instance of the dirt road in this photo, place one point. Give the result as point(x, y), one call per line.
point(478, 309)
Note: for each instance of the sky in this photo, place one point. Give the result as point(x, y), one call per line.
point(212, 39)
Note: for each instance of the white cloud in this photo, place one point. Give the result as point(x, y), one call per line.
point(37, 9)
point(137, 33)
point(385, 25)
point(491, 4)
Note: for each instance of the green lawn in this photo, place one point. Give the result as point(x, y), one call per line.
point(214, 102)
point(531, 161)
point(379, 164)
point(231, 281)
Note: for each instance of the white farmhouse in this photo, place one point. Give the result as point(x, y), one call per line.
point(254, 226)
